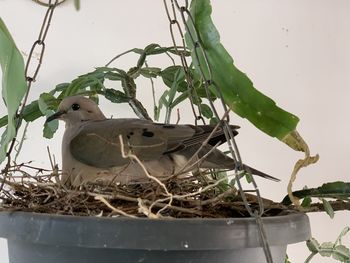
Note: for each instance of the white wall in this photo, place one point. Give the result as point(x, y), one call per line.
point(295, 51)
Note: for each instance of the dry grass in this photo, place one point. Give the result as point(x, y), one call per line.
point(32, 189)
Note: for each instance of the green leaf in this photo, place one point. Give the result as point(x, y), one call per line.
point(328, 208)
point(150, 72)
point(134, 72)
point(3, 121)
point(77, 4)
point(213, 121)
point(179, 99)
point(116, 96)
point(341, 253)
point(31, 112)
point(237, 89)
point(313, 245)
point(59, 88)
point(47, 105)
point(306, 201)
point(286, 260)
point(13, 84)
point(113, 76)
point(326, 249)
point(336, 190)
point(50, 127)
point(169, 75)
point(206, 111)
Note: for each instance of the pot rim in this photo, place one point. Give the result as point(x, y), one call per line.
point(152, 234)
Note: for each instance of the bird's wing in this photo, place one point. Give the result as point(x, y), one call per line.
point(97, 143)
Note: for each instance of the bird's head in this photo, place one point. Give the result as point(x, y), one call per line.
point(76, 109)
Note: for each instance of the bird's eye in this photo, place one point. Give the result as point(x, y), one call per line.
point(75, 106)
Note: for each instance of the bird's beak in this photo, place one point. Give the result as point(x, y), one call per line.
point(55, 116)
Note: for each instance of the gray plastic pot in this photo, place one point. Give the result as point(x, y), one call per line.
point(39, 238)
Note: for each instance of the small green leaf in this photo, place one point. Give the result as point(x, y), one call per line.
point(168, 76)
point(134, 72)
point(313, 245)
point(113, 76)
point(50, 127)
point(179, 99)
point(13, 84)
point(31, 112)
point(326, 249)
point(77, 5)
point(341, 253)
point(3, 121)
point(214, 121)
point(286, 260)
point(59, 88)
point(306, 201)
point(141, 60)
point(206, 111)
point(47, 105)
point(152, 49)
point(116, 96)
point(150, 72)
point(328, 208)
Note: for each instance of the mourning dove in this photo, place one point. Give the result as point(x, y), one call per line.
point(91, 146)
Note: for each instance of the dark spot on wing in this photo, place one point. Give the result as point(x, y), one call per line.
point(147, 133)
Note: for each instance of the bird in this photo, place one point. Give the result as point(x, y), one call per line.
point(92, 146)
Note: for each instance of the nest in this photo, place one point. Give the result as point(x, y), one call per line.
point(30, 189)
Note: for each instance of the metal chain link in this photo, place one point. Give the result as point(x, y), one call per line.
point(173, 22)
point(30, 78)
point(172, 8)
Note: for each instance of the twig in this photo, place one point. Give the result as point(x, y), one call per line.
point(103, 200)
point(134, 157)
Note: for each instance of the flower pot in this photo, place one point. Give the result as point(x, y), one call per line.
point(39, 238)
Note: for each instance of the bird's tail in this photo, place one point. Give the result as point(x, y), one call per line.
point(259, 173)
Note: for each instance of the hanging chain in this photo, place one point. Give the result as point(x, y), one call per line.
point(181, 49)
point(39, 45)
point(172, 8)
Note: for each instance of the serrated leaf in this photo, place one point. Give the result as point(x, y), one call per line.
point(237, 89)
point(326, 249)
point(341, 253)
point(328, 208)
point(150, 72)
point(336, 190)
point(113, 76)
point(13, 84)
point(116, 96)
point(134, 72)
point(59, 88)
